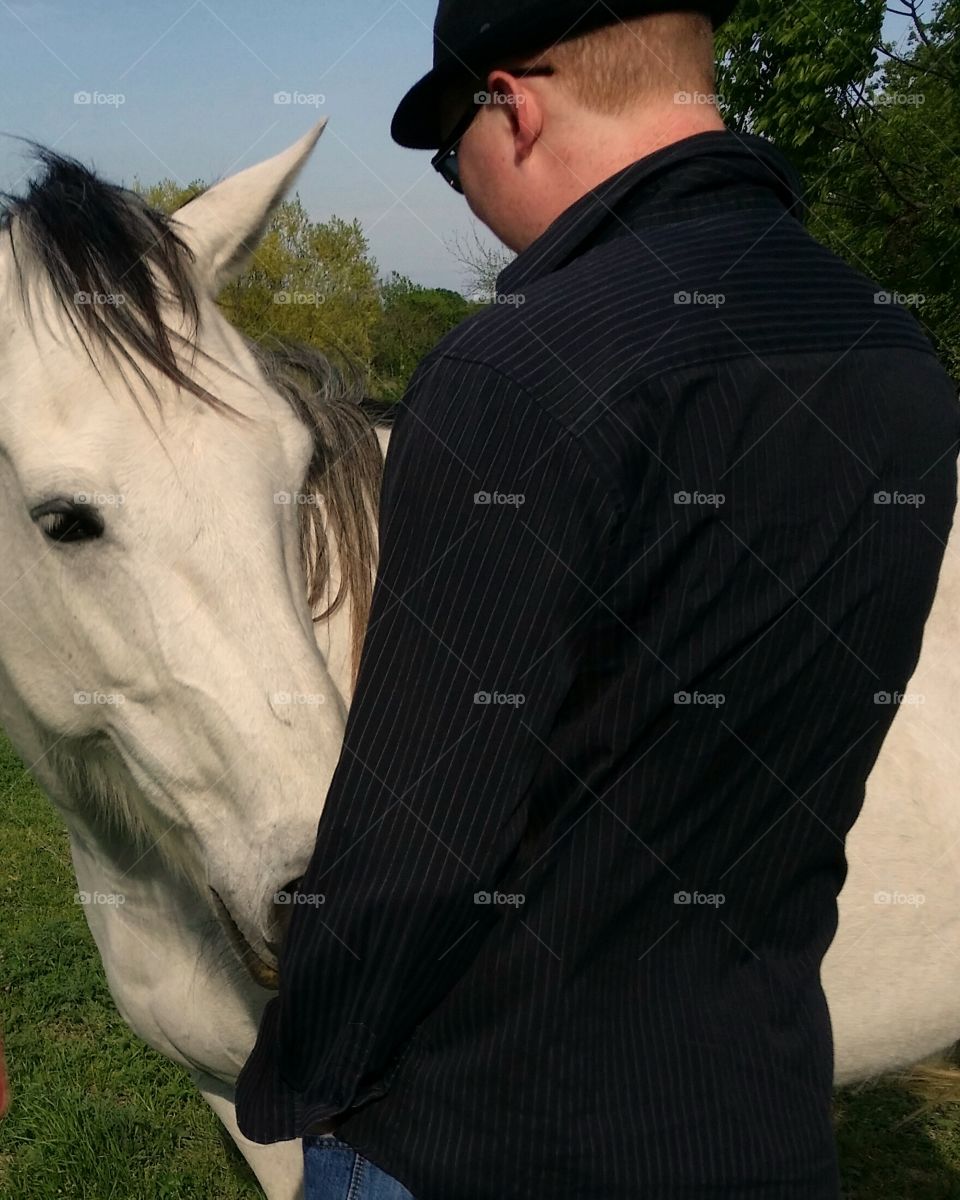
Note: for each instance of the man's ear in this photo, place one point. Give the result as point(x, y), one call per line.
point(223, 225)
point(513, 100)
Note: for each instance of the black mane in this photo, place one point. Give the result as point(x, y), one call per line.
point(111, 259)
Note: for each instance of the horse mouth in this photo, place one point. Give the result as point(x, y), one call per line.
point(259, 971)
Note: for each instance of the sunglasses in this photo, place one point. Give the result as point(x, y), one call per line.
point(445, 161)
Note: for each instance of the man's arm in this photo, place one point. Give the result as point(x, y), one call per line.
point(494, 530)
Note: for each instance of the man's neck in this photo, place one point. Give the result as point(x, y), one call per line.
point(613, 144)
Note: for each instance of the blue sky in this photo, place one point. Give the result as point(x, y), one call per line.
point(198, 79)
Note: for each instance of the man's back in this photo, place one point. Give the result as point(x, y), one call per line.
point(650, 547)
point(764, 575)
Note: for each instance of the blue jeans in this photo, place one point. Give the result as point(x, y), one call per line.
point(332, 1170)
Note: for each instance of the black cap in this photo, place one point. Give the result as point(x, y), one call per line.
point(470, 37)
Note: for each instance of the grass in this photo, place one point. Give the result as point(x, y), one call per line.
point(96, 1115)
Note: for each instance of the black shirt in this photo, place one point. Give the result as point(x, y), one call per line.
point(638, 590)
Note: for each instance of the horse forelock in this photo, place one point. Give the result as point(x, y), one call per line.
point(114, 263)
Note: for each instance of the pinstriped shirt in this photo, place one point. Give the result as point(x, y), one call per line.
point(638, 591)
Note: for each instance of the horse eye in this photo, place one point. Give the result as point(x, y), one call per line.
point(68, 521)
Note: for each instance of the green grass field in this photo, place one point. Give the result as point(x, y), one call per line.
point(96, 1115)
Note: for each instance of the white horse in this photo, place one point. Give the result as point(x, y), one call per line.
point(164, 675)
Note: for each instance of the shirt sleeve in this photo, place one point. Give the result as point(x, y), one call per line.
point(493, 528)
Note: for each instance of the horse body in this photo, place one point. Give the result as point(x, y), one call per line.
point(196, 795)
point(892, 973)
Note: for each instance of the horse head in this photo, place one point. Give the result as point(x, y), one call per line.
point(159, 671)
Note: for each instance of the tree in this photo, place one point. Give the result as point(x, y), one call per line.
point(167, 195)
point(874, 130)
point(412, 320)
point(313, 282)
point(481, 263)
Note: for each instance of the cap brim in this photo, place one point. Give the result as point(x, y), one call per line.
point(417, 122)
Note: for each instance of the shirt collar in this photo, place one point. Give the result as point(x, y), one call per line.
point(694, 173)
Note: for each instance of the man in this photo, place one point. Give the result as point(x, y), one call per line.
point(615, 712)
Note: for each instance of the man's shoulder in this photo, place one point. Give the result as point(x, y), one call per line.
point(647, 303)
point(476, 378)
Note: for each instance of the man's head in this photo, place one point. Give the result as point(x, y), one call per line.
point(526, 135)
point(538, 142)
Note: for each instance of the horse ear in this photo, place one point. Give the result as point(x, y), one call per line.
point(224, 224)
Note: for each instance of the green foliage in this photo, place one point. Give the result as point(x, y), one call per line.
point(875, 132)
point(312, 282)
point(787, 71)
point(412, 320)
point(167, 195)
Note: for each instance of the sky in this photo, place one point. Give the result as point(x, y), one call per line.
point(186, 89)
